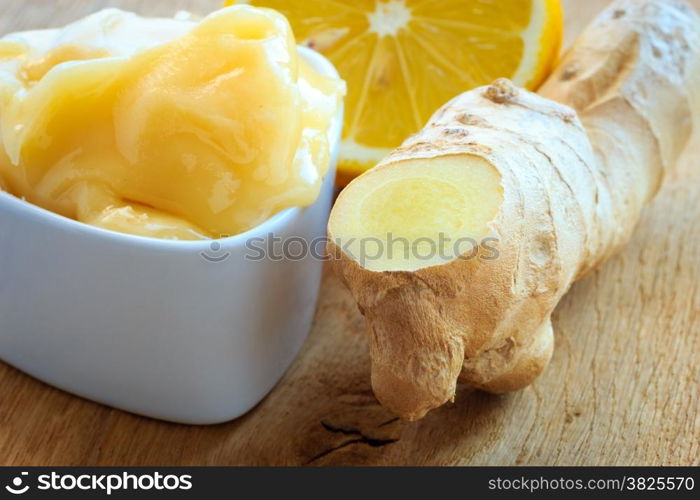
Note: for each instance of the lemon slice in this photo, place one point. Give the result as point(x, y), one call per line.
point(403, 59)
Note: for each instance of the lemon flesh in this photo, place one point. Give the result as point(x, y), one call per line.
point(403, 59)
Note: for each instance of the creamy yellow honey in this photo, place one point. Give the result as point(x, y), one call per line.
point(169, 128)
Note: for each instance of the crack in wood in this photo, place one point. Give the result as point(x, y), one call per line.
point(390, 421)
point(361, 439)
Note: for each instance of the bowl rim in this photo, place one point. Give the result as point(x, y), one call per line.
point(13, 204)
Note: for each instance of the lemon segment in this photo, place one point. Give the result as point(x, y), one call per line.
point(403, 59)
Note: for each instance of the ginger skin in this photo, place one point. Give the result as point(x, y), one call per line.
point(577, 164)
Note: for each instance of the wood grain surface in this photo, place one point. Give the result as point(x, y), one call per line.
point(622, 389)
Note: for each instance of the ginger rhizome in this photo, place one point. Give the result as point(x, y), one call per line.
point(558, 180)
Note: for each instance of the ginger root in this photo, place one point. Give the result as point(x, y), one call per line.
point(555, 182)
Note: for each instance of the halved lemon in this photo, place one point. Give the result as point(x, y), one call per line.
point(403, 59)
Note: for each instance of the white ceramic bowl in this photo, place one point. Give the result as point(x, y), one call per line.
point(181, 331)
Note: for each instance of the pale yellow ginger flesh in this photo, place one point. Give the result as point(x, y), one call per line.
point(560, 183)
point(386, 219)
point(168, 128)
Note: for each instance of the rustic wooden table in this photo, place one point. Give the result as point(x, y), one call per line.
point(622, 389)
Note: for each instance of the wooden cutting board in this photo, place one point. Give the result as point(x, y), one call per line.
point(622, 389)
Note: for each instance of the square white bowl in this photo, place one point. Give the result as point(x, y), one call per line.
point(181, 331)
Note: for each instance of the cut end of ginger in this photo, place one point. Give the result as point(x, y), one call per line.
point(417, 213)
